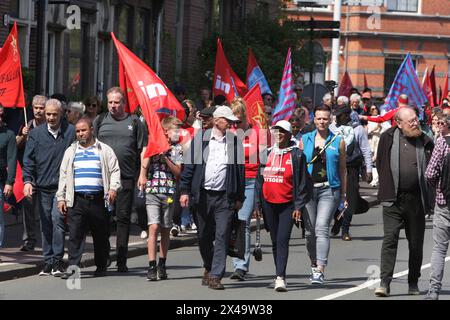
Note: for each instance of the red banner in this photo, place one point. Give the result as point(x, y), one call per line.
point(11, 84)
point(225, 81)
point(345, 86)
point(144, 88)
point(255, 108)
point(445, 90)
point(426, 86)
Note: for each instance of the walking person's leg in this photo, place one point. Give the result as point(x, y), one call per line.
point(98, 222)
point(123, 203)
point(309, 217)
point(271, 219)
point(29, 225)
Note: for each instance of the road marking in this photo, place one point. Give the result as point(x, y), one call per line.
point(370, 283)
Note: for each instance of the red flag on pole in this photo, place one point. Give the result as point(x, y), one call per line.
point(345, 86)
point(445, 90)
point(255, 108)
point(426, 86)
point(433, 86)
point(11, 84)
point(366, 85)
point(18, 184)
point(225, 81)
point(143, 87)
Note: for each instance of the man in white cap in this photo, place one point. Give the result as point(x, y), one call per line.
point(213, 183)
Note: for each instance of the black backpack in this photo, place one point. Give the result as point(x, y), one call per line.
point(445, 175)
point(354, 155)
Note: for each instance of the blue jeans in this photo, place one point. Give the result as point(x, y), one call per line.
point(320, 211)
point(245, 214)
point(52, 223)
point(2, 214)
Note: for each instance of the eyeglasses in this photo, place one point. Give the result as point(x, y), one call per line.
point(440, 123)
point(92, 104)
point(411, 122)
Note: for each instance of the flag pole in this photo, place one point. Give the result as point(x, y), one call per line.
point(25, 115)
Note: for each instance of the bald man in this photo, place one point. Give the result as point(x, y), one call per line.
point(403, 154)
point(44, 151)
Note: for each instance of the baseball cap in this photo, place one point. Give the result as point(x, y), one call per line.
point(283, 124)
point(207, 112)
point(225, 112)
point(403, 99)
point(342, 109)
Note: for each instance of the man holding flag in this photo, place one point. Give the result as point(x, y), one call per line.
point(8, 160)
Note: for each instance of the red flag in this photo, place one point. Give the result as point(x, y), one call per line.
point(426, 86)
point(445, 90)
point(345, 86)
point(144, 87)
point(433, 86)
point(18, 184)
point(225, 81)
point(366, 85)
point(11, 84)
point(255, 108)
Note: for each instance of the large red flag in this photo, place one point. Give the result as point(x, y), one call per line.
point(255, 108)
point(144, 88)
point(11, 84)
point(345, 86)
point(225, 81)
point(445, 90)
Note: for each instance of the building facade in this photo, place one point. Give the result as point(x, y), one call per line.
point(375, 39)
point(78, 57)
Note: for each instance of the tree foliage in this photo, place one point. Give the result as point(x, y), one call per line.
point(269, 41)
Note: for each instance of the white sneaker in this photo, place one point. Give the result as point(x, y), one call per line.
point(183, 228)
point(175, 231)
point(144, 234)
point(317, 276)
point(193, 226)
point(280, 284)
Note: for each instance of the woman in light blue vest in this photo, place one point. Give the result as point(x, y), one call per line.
point(325, 155)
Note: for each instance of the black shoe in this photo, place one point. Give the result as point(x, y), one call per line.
point(162, 273)
point(238, 274)
point(108, 261)
point(27, 247)
point(336, 227)
point(413, 289)
point(100, 272)
point(58, 269)
point(122, 268)
point(47, 270)
point(152, 274)
point(67, 275)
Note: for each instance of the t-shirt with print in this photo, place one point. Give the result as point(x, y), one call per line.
point(278, 178)
point(160, 179)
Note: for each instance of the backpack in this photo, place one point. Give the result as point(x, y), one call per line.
point(445, 175)
point(354, 155)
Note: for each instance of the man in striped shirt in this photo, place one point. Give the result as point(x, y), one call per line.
point(89, 174)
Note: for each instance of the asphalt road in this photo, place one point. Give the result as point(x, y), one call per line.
point(351, 266)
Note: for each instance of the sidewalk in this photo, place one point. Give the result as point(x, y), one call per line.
point(17, 264)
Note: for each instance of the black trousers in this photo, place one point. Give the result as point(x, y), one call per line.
point(123, 206)
point(87, 215)
point(407, 210)
point(214, 217)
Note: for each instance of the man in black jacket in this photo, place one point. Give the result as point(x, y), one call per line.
point(213, 180)
point(403, 154)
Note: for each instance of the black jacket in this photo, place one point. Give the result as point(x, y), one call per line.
point(193, 175)
point(302, 182)
point(387, 191)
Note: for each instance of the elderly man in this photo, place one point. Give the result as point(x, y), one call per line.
point(403, 154)
point(44, 151)
point(214, 183)
point(74, 111)
point(89, 173)
point(29, 215)
point(127, 136)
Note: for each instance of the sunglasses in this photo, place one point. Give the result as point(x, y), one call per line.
point(92, 104)
point(440, 123)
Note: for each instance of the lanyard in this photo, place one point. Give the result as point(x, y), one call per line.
point(322, 150)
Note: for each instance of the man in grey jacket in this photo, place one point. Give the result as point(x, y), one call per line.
point(89, 174)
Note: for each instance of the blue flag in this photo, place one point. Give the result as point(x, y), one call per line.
point(255, 75)
point(407, 82)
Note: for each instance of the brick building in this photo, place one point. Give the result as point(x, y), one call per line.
point(374, 40)
point(82, 61)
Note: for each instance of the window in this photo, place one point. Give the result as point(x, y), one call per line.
point(14, 8)
point(142, 31)
point(313, 3)
point(124, 28)
point(391, 66)
point(402, 5)
point(75, 63)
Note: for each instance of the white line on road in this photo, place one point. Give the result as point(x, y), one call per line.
point(370, 283)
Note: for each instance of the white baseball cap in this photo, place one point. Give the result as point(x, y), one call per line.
point(225, 112)
point(283, 124)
